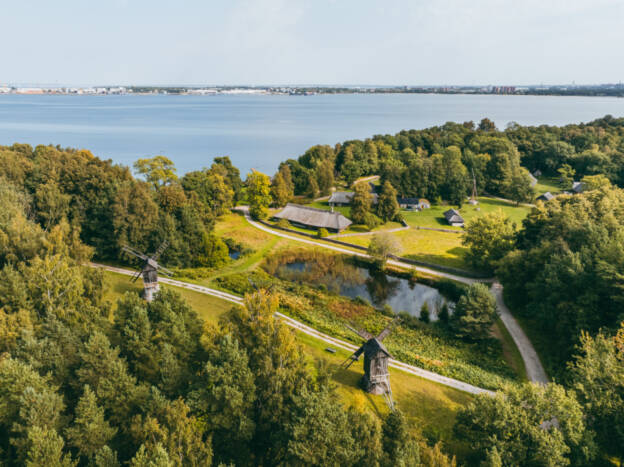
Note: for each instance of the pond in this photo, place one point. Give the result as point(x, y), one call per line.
point(234, 254)
point(379, 289)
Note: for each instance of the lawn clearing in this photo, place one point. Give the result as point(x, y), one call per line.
point(434, 217)
point(444, 248)
point(545, 184)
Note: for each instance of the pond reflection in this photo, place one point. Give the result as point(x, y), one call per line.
point(377, 288)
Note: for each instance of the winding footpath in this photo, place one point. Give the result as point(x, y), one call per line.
point(534, 369)
point(299, 326)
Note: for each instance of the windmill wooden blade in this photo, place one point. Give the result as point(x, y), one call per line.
point(132, 251)
point(353, 358)
point(363, 334)
point(163, 246)
point(136, 276)
point(382, 335)
point(165, 270)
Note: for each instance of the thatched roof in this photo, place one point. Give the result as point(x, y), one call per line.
point(341, 197)
point(578, 187)
point(546, 196)
point(312, 217)
point(453, 217)
point(345, 197)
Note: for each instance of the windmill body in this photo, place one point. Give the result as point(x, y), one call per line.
point(149, 270)
point(376, 379)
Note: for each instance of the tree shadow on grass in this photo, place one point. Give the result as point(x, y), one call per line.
point(351, 378)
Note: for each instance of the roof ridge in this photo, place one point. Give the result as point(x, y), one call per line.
point(310, 208)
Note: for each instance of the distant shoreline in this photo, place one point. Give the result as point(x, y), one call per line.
point(605, 90)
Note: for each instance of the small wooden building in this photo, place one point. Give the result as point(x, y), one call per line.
point(545, 197)
point(344, 198)
point(413, 204)
point(454, 218)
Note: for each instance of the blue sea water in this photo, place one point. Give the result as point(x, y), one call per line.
point(260, 131)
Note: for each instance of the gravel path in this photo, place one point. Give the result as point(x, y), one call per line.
point(453, 383)
point(535, 370)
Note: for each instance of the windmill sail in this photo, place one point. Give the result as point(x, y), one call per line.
point(160, 250)
point(353, 358)
point(134, 252)
point(149, 270)
point(382, 335)
point(360, 332)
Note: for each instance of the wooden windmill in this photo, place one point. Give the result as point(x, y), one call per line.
point(473, 197)
point(149, 270)
point(376, 379)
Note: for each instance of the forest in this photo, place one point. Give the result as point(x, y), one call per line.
point(88, 382)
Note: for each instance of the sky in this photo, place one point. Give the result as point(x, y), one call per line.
point(332, 42)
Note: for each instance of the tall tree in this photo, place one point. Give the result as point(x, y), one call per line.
point(280, 190)
point(89, 431)
point(488, 238)
point(325, 176)
point(528, 425)
point(387, 205)
point(475, 313)
point(223, 166)
point(361, 204)
point(597, 374)
point(158, 170)
point(258, 194)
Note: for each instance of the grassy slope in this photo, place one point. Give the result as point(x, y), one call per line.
point(429, 407)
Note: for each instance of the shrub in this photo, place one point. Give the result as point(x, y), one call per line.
point(425, 315)
point(283, 224)
point(322, 233)
point(387, 310)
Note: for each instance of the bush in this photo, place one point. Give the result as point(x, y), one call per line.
point(443, 316)
point(239, 282)
point(283, 224)
point(425, 314)
point(387, 310)
point(371, 221)
point(322, 233)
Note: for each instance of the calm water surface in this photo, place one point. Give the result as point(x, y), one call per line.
point(382, 289)
point(260, 131)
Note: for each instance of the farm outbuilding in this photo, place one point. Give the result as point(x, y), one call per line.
point(578, 187)
point(313, 218)
point(413, 204)
point(454, 218)
point(344, 198)
point(545, 197)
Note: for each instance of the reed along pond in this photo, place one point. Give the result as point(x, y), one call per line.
point(372, 285)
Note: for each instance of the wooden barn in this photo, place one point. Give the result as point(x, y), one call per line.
point(313, 218)
point(454, 218)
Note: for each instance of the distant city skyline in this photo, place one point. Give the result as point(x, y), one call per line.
point(325, 42)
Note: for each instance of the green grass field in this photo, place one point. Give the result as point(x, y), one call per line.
point(430, 407)
point(545, 184)
point(444, 248)
point(434, 217)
